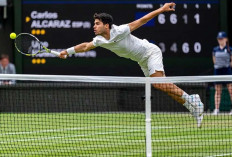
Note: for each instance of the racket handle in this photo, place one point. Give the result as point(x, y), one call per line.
point(56, 53)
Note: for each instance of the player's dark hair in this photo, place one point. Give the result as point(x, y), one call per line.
point(104, 18)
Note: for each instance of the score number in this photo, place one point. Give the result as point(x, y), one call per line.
point(185, 47)
point(173, 18)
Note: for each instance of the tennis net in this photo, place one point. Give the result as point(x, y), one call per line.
point(45, 115)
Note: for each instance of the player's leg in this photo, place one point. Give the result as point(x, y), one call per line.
point(170, 88)
point(176, 92)
point(153, 67)
point(191, 102)
point(217, 97)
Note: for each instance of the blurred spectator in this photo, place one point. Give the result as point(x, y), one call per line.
point(6, 68)
point(222, 59)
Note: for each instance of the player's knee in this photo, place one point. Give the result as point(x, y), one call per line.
point(158, 74)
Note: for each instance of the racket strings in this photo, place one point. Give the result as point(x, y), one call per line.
point(27, 44)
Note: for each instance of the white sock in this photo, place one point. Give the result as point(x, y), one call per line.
point(186, 97)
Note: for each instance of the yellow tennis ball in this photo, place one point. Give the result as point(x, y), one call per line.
point(12, 35)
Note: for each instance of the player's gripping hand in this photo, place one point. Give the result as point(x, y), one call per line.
point(169, 7)
point(63, 54)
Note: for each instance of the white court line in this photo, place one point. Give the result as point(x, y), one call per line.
point(88, 146)
point(46, 131)
point(110, 139)
point(79, 128)
point(136, 152)
point(64, 129)
point(81, 135)
point(60, 137)
point(65, 138)
point(60, 130)
point(228, 154)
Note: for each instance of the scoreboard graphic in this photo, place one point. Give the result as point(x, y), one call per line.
point(186, 36)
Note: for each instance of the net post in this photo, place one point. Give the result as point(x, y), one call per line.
point(148, 117)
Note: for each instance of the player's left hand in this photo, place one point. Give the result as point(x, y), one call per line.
point(169, 7)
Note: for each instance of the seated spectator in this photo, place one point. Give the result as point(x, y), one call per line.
point(6, 68)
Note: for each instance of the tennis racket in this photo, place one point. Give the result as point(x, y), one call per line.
point(27, 44)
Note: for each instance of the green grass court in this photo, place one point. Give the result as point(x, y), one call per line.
point(113, 135)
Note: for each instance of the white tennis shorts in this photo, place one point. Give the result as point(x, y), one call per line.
point(154, 61)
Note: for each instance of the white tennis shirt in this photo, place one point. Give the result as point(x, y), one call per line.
point(123, 43)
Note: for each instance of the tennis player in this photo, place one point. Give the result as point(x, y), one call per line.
point(119, 40)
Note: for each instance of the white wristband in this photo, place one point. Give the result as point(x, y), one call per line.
point(71, 50)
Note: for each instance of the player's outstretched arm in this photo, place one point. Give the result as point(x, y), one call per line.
point(83, 47)
point(143, 20)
